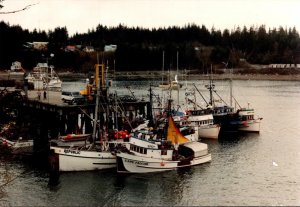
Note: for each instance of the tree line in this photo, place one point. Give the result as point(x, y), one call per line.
point(141, 48)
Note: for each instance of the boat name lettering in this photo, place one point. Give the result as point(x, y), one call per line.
point(71, 151)
point(151, 146)
point(136, 162)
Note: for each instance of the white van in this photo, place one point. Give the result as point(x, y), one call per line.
point(72, 97)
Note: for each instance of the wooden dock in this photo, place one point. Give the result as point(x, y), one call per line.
point(42, 118)
point(52, 97)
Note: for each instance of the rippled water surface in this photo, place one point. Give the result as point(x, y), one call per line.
point(255, 169)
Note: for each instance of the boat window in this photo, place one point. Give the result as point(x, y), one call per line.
point(164, 152)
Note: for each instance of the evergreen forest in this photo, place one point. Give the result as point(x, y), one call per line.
point(138, 49)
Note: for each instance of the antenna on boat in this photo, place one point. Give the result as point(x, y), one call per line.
point(177, 56)
point(163, 67)
point(151, 107)
point(230, 81)
point(162, 76)
point(210, 87)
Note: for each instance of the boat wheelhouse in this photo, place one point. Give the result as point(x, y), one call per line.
point(248, 122)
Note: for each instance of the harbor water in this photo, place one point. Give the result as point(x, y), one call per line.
point(253, 169)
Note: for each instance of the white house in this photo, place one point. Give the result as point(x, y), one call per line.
point(110, 48)
point(88, 49)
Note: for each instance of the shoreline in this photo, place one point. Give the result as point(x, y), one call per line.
point(145, 75)
point(273, 77)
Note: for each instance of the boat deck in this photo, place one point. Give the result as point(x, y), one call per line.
point(52, 97)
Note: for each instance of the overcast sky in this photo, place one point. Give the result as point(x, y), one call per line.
point(81, 15)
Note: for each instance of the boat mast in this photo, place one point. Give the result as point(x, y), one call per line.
point(230, 82)
point(177, 80)
point(177, 62)
point(151, 107)
point(116, 112)
point(96, 109)
point(163, 67)
point(97, 101)
point(210, 87)
point(162, 76)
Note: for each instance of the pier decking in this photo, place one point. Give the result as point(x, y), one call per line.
point(42, 118)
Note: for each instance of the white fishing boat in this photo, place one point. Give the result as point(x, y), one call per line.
point(16, 69)
point(169, 85)
point(202, 121)
point(248, 122)
point(173, 85)
point(83, 159)
point(232, 121)
point(157, 155)
point(43, 76)
point(91, 156)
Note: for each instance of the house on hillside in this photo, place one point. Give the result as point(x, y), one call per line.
point(88, 49)
point(37, 45)
point(110, 48)
point(40, 45)
point(284, 66)
point(70, 48)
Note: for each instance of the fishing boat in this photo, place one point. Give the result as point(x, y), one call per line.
point(173, 85)
point(227, 118)
point(43, 77)
point(16, 69)
point(169, 85)
point(19, 146)
point(248, 121)
point(159, 154)
point(202, 121)
point(84, 159)
point(232, 121)
point(94, 156)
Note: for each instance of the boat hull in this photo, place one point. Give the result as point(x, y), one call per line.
point(209, 132)
point(80, 160)
point(54, 84)
point(18, 147)
point(250, 126)
point(129, 163)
